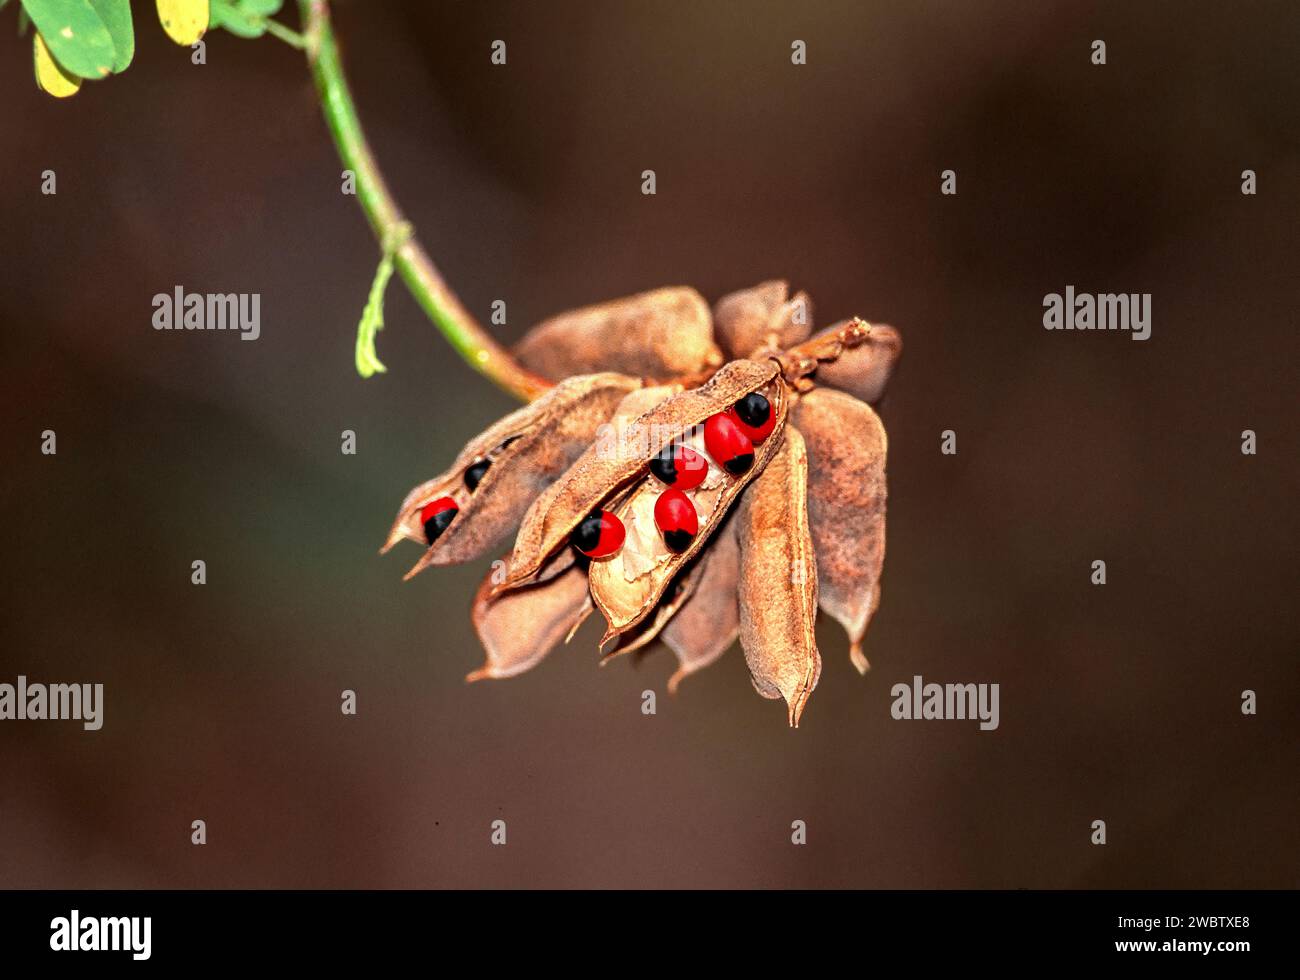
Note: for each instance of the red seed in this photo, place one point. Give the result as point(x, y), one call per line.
point(676, 519)
point(727, 443)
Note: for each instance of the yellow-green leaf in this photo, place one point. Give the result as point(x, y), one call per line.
point(75, 36)
point(183, 20)
point(49, 76)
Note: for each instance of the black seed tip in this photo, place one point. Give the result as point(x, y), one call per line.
point(754, 410)
point(586, 536)
point(664, 466)
point(678, 541)
point(438, 523)
point(475, 474)
point(739, 465)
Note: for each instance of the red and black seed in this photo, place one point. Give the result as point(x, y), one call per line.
point(728, 444)
point(599, 535)
point(754, 413)
point(436, 515)
point(676, 519)
point(680, 467)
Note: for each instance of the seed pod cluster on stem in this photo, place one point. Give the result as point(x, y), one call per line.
point(692, 476)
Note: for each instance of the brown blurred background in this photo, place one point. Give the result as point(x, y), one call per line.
point(222, 702)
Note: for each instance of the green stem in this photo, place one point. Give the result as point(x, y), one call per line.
point(413, 264)
point(289, 37)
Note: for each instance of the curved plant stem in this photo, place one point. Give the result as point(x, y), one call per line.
point(289, 37)
point(412, 263)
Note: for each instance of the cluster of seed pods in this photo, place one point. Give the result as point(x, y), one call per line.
point(729, 437)
point(676, 496)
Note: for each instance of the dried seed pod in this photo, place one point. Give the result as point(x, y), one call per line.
point(633, 405)
point(707, 622)
point(620, 456)
point(521, 627)
point(627, 587)
point(778, 580)
point(863, 371)
point(762, 317)
point(526, 451)
point(675, 596)
point(846, 503)
point(664, 333)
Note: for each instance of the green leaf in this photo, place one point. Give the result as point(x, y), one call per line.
point(116, 15)
point(75, 35)
point(236, 20)
point(372, 320)
point(261, 8)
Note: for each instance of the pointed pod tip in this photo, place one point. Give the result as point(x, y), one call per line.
point(675, 681)
point(858, 657)
point(797, 703)
point(482, 674)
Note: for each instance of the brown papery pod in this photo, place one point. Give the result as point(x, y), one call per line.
point(520, 627)
point(863, 371)
point(752, 319)
point(611, 464)
point(847, 447)
point(778, 580)
point(627, 586)
point(664, 333)
point(708, 622)
point(675, 596)
point(528, 450)
point(633, 405)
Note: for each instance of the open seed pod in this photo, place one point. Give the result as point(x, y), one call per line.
point(501, 472)
point(628, 585)
point(677, 594)
point(611, 465)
